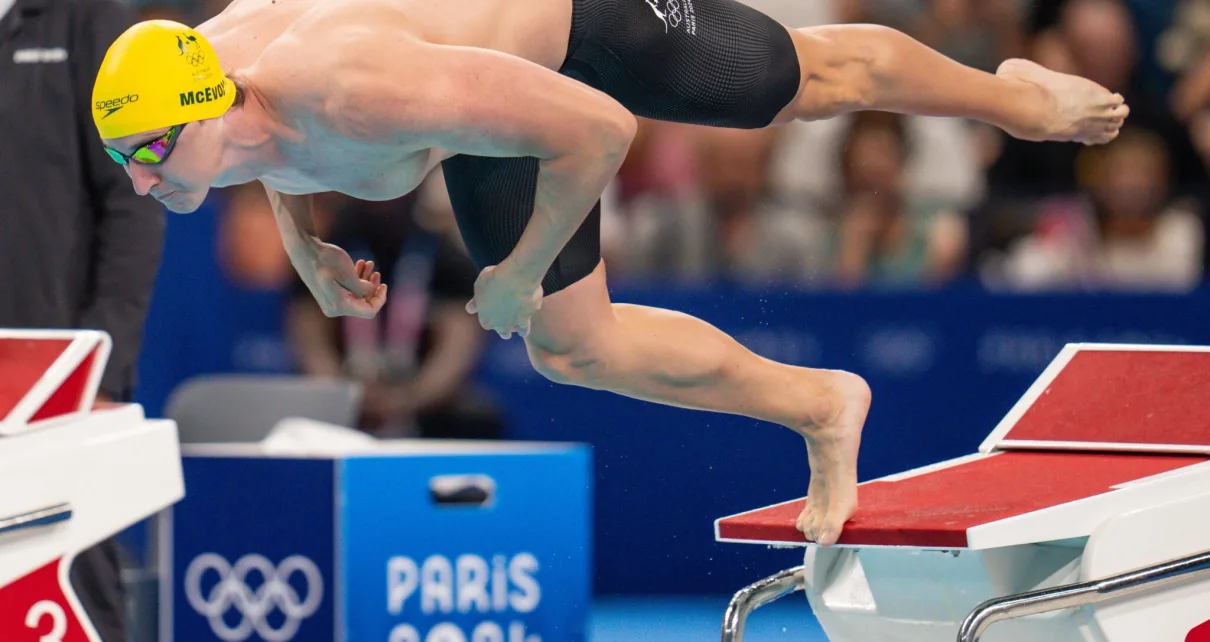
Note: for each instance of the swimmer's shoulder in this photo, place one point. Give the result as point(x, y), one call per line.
point(342, 23)
point(245, 29)
point(310, 69)
point(330, 35)
point(333, 39)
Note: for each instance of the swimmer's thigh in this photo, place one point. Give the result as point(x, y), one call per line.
point(705, 62)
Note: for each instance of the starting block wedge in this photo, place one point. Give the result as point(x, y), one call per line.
point(1084, 515)
point(72, 475)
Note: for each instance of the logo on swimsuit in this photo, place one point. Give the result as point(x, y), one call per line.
point(200, 96)
point(674, 14)
point(659, 14)
point(114, 104)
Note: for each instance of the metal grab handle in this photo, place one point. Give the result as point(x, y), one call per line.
point(41, 517)
point(1074, 595)
point(753, 597)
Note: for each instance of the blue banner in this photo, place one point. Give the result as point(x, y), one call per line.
point(252, 551)
point(475, 546)
point(487, 547)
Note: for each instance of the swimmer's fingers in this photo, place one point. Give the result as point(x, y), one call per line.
point(527, 322)
point(365, 269)
point(473, 308)
point(353, 282)
point(370, 280)
point(364, 289)
point(379, 297)
point(366, 307)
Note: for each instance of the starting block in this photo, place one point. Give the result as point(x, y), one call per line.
point(73, 474)
point(1085, 515)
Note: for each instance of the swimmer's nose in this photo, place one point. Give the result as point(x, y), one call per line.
point(143, 178)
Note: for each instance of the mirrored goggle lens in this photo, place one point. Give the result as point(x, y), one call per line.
point(117, 158)
point(153, 152)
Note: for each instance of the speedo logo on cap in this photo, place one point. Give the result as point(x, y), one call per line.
point(203, 95)
point(114, 104)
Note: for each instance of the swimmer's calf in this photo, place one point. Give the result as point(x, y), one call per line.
point(851, 68)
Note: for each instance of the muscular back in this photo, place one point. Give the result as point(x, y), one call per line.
point(536, 30)
point(287, 44)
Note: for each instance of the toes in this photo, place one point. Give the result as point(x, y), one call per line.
point(820, 532)
point(828, 532)
point(829, 529)
point(1100, 134)
point(806, 524)
point(1116, 114)
point(812, 531)
point(811, 521)
point(1104, 136)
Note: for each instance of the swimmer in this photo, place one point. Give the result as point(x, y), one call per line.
point(529, 108)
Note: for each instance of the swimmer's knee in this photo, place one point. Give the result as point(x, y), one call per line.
point(577, 366)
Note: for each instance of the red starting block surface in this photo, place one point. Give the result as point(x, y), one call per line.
point(1126, 398)
point(937, 509)
point(1101, 421)
point(48, 375)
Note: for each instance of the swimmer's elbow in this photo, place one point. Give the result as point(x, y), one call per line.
point(595, 144)
point(616, 131)
point(628, 128)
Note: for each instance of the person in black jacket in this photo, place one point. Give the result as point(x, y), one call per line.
point(78, 247)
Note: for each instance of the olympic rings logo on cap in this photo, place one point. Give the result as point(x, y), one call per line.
point(274, 592)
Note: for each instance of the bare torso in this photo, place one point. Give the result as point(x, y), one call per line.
point(317, 159)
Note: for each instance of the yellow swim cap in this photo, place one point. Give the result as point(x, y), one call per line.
point(157, 74)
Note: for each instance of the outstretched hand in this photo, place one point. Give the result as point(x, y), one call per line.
point(504, 303)
point(343, 288)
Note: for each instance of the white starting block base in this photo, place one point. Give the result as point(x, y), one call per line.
point(900, 594)
point(1103, 468)
point(72, 476)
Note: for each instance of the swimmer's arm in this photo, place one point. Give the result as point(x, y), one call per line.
point(325, 269)
point(296, 223)
point(484, 103)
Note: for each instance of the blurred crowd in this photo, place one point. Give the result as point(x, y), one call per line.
point(869, 201)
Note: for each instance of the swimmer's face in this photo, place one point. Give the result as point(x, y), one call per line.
point(170, 164)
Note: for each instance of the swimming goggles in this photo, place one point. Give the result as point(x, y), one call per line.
point(153, 153)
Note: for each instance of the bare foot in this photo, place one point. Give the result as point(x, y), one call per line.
point(816, 507)
point(1073, 109)
point(833, 440)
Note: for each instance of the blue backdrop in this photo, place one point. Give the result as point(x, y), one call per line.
point(944, 367)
